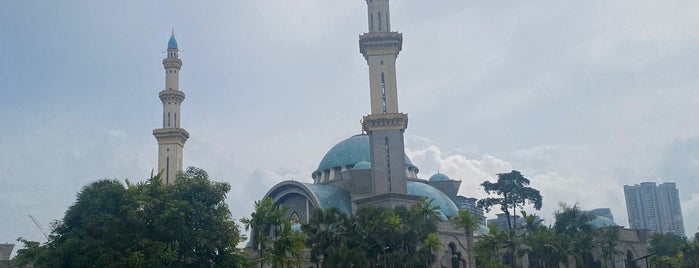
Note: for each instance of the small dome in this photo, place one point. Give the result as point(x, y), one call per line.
point(362, 165)
point(172, 44)
point(601, 222)
point(439, 177)
point(446, 206)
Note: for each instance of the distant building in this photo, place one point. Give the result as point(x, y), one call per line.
point(501, 221)
point(469, 203)
point(656, 208)
point(603, 212)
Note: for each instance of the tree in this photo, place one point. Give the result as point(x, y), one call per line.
point(466, 221)
point(571, 221)
point(512, 193)
point(608, 243)
point(673, 251)
point(325, 233)
point(489, 246)
point(148, 224)
point(278, 245)
point(266, 216)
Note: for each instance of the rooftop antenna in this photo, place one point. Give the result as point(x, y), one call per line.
point(38, 226)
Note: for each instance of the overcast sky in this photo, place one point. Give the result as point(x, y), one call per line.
point(582, 97)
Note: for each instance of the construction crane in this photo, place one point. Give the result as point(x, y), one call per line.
point(38, 226)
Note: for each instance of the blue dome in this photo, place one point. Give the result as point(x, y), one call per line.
point(439, 177)
point(446, 206)
point(331, 197)
point(482, 230)
point(601, 222)
point(350, 152)
point(362, 165)
point(172, 44)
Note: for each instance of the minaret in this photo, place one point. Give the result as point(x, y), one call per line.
point(385, 125)
point(171, 137)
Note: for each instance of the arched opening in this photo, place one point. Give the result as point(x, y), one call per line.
point(630, 263)
point(455, 256)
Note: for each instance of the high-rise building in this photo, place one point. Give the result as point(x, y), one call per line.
point(656, 208)
point(171, 137)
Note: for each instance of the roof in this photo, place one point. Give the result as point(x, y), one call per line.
point(172, 43)
point(331, 197)
point(362, 165)
point(439, 177)
point(600, 222)
point(446, 206)
point(349, 152)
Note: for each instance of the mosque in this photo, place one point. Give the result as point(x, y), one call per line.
point(371, 169)
point(368, 169)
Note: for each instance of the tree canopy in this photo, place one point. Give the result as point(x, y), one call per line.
point(512, 192)
point(148, 224)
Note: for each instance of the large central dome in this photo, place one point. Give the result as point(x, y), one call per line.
point(347, 153)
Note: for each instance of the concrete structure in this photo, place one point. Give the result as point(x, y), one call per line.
point(371, 169)
point(501, 221)
point(171, 137)
point(656, 208)
point(5, 253)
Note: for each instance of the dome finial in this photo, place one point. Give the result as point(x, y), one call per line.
point(172, 43)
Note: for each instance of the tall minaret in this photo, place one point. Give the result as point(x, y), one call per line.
point(385, 125)
point(171, 137)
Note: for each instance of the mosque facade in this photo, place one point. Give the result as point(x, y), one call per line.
point(371, 168)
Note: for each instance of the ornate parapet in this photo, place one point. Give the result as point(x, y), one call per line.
point(380, 43)
point(172, 63)
point(387, 121)
point(171, 95)
point(171, 135)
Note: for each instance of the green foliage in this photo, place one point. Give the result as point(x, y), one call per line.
point(572, 236)
point(674, 251)
point(466, 221)
point(278, 245)
point(375, 236)
point(186, 224)
point(512, 192)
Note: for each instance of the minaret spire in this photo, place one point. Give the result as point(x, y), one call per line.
point(385, 125)
point(171, 137)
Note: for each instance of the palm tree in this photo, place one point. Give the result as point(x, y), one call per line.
point(264, 222)
point(325, 231)
point(466, 221)
point(574, 222)
point(287, 247)
point(610, 239)
point(533, 239)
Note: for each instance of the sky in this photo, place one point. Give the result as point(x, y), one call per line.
point(582, 97)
